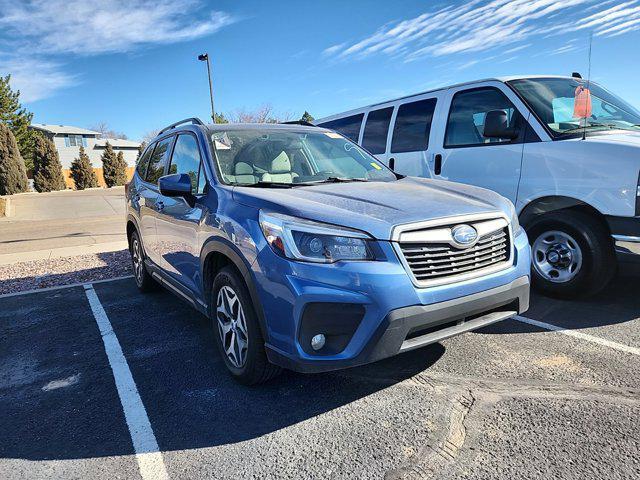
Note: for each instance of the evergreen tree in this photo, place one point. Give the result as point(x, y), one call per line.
point(17, 119)
point(141, 148)
point(114, 168)
point(13, 175)
point(121, 169)
point(220, 118)
point(47, 170)
point(306, 117)
point(82, 172)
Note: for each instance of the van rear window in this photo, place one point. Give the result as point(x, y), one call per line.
point(413, 125)
point(347, 126)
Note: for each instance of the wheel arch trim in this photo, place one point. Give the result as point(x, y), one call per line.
point(227, 249)
point(549, 203)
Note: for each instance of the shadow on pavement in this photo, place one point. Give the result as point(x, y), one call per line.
point(617, 304)
point(190, 399)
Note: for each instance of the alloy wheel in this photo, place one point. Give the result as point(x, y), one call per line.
point(136, 259)
point(557, 257)
point(232, 326)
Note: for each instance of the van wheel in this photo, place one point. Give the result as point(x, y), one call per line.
point(572, 254)
point(144, 280)
point(237, 331)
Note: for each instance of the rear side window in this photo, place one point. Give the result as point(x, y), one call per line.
point(143, 162)
point(465, 126)
point(347, 126)
point(376, 129)
point(186, 159)
point(158, 160)
point(413, 125)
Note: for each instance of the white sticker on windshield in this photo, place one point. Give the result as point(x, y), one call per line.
point(221, 146)
point(333, 135)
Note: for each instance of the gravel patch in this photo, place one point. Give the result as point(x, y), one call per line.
point(54, 272)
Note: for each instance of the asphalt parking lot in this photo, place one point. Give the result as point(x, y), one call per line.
point(102, 382)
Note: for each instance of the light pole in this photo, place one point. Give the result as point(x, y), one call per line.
point(205, 58)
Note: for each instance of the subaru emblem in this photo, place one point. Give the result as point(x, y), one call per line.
point(464, 235)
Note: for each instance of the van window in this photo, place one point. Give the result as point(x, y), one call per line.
point(186, 159)
point(347, 126)
point(158, 160)
point(376, 129)
point(413, 125)
point(469, 108)
point(143, 162)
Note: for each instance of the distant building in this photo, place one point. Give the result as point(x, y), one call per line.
point(68, 140)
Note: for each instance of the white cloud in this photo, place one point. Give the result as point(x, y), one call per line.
point(88, 28)
point(35, 35)
point(36, 79)
point(482, 25)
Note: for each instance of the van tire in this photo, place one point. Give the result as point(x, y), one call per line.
point(144, 280)
point(599, 264)
point(256, 367)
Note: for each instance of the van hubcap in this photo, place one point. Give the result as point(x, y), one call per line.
point(136, 258)
point(557, 257)
point(232, 326)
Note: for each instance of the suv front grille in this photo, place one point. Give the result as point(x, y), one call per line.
point(437, 263)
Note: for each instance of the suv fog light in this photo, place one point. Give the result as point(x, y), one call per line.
point(317, 342)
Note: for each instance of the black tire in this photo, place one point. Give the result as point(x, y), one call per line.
point(255, 368)
point(144, 280)
point(599, 264)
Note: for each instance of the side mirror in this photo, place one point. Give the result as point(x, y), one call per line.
point(496, 125)
point(177, 185)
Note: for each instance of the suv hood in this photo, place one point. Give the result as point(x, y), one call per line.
point(375, 207)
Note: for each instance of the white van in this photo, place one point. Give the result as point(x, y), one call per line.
point(571, 168)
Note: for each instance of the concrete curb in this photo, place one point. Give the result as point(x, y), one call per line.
point(74, 251)
point(5, 207)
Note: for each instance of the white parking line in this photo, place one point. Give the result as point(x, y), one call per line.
point(61, 287)
point(148, 455)
point(582, 336)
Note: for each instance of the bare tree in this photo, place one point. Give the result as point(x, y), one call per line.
point(150, 135)
point(107, 132)
point(263, 114)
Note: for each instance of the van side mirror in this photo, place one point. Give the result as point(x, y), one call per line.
point(177, 185)
point(496, 125)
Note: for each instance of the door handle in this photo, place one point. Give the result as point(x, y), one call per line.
point(392, 163)
point(437, 167)
point(159, 206)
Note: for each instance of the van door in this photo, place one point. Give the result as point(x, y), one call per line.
point(178, 225)
point(149, 198)
point(466, 155)
point(410, 150)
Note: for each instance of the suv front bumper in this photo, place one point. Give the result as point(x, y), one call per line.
point(407, 328)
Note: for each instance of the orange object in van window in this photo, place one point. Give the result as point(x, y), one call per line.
point(582, 103)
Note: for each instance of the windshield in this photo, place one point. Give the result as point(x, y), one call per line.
point(553, 100)
point(286, 158)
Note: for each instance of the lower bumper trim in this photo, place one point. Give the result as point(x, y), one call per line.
point(401, 329)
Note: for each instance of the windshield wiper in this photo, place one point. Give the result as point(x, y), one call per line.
point(591, 125)
point(340, 180)
point(265, 184)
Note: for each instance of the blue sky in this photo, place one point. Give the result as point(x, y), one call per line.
point(132, 64)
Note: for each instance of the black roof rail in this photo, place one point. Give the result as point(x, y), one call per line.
point(299, 122)
point(192, 120)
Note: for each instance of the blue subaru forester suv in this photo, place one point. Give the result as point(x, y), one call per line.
point(308, 253)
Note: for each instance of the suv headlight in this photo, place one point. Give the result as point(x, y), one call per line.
point(311, 241)
point(515, 222)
